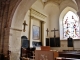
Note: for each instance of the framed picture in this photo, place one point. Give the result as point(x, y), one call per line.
point(36, 32)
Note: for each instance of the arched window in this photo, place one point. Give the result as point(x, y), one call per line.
point(71, 25)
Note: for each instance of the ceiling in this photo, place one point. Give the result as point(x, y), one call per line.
point(50, 6)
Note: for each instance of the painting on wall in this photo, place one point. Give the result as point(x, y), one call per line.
point(36, 32)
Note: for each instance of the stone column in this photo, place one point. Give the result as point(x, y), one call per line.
point(43, 33)
point(15, 43)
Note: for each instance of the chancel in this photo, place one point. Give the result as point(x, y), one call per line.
point(62, 19)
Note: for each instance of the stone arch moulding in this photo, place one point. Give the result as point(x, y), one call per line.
point(16, 21)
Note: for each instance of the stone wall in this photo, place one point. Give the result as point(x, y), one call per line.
point(7, 8)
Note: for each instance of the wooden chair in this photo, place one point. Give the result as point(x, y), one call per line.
point(31, 53)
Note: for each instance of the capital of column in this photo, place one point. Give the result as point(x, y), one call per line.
point(43, 22)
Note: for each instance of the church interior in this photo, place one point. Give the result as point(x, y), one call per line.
point(39, 29)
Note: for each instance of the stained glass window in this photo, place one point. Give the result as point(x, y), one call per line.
point(71, 25)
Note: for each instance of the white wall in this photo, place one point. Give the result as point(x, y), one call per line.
point(27, 19)
point(77, 44)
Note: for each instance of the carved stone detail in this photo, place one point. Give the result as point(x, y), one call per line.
point(37, 14)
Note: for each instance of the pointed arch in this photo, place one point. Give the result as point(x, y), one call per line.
point(70, 25)
point(64, 13)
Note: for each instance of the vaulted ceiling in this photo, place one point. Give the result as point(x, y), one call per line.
point(50, 7)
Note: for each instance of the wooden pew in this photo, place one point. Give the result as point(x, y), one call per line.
point(62, 58)
point(70, 54)
point(70, 59)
